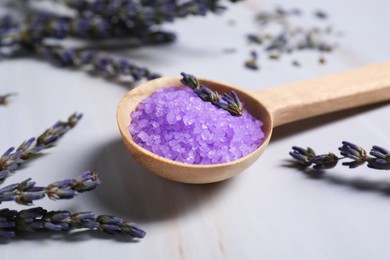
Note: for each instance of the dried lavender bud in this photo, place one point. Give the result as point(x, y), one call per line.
point(26, 192)
point(106, 19)
point(207, 94)
point(251, 63)
point(113, 225)
point(303, 156)
point(13, 159)
point(380, 159)
point(22, 193)
point(97, 28)
point(146, 13)
point(354, 152)
point(231, 104)
point(4, 98)
point(99, 19)
point(67, 189)
point(101, 64)
point(38, 219)
point(324, 161)
point(189, 80)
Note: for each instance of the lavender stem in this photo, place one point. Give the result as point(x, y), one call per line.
point(37, 219)
point(13, 159)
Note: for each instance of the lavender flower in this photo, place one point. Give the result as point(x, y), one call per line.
point(144, 13)
point(38, 219)
point(307, 157)
point(101, 64)
point(303, 156)
point(13, 159)
point(232, 104)
point(114, 225)
point(42, 26)
point(99, 19)
point(207, 94)
point(105, 19)
point(189, 80)
point(354, 152)
point(324, 161)
point(26, 192)
point(381, 159)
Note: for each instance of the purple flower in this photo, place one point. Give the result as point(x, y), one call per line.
point(354, 152)
point(381, 159)
point(303, 156)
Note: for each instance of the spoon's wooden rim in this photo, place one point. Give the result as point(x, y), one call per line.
point(182, 172)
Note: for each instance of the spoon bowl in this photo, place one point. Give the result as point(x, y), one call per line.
point(181, 172)
point(273, 106)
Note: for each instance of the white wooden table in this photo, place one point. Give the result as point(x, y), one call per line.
point(270, 211)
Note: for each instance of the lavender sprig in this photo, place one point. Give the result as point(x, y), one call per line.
point(379, 160)
point(13, 159)
point(41, 26)
point(5, 98)
point(100, 63)
point(99, 19)
point(144, 13)
point(108, 19)
point(26, 192)
point(232, 104)
point(38, 219)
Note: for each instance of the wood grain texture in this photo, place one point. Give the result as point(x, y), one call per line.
point(357, 87)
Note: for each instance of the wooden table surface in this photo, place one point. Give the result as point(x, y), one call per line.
point(270, 211)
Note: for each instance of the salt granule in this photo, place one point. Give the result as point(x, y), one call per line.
point(176, 124)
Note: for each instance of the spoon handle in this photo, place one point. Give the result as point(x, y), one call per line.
point(357, 87)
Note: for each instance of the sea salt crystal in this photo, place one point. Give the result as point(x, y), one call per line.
point(176, 124)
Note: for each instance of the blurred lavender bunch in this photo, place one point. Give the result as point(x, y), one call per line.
point(283, 32)
point(26, 192)
point(378, 158)
point(97, 20)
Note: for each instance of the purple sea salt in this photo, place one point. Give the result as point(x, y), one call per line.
point(176, 124)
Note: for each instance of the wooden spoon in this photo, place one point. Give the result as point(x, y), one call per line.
point(274, 106)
